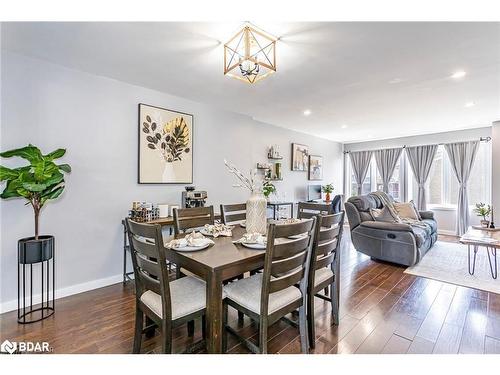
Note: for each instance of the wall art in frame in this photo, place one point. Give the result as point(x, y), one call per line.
point(315, 167)
point(165, 146)
point(300, 157)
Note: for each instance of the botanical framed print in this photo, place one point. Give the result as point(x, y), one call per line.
point(165, 146)
point(300, 155)
point(315, 167)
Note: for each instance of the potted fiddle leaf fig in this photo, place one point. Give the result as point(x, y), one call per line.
point(38, 182)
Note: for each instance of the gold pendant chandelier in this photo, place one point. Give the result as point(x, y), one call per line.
point(250, 55)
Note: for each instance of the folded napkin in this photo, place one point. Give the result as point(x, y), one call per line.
point(256, 238)
point(218, 229)
point(194, 238)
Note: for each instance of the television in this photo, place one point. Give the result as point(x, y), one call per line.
point(313, 192)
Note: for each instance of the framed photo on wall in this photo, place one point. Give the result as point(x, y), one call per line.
point(300, 155)
point(315, 167)
point(165, 146)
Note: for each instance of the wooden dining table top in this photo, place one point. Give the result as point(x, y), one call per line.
point(223, 252)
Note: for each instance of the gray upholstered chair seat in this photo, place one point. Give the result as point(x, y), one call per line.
point(246, 292)
point(188, 295)
point(322, 275)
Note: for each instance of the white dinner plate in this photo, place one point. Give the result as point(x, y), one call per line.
point(191, 248)
point(256, 246)
point(206, 233)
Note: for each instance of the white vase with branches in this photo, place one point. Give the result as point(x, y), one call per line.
point(256, 218)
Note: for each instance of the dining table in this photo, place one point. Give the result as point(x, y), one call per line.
point(220, 262)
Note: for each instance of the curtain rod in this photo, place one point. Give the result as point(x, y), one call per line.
point(481, 139)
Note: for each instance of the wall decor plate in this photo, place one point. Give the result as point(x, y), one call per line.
point(165, 146)
point(300, 157)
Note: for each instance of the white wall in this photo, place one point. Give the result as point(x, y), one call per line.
point(445, 217)
point(495, 191)
point(95, 118)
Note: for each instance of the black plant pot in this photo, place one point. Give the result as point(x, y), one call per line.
point(32, 252)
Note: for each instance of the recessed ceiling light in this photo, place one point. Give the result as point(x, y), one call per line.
point(395, 80)
point(458, 74)
point(307, 112)
point(469, 104)
point(344, 126)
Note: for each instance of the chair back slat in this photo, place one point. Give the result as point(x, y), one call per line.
point(228, 215)
point(307, 210)
point(324, 261)
point(286, 248)
point(326, 246)
point(286, 260)
point(289, 279)
point(150, 283)
point(148, 258)
point(148, 248)
point(192, 218)
point(327, 233)
point(151, 267)
point(281, 267)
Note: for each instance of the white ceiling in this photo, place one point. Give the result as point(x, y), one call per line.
point(379, 80)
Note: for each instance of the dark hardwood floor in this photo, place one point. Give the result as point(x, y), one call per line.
point(383, 310)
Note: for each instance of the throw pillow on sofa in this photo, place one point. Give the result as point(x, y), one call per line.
point(407, 211)
point(382, 214)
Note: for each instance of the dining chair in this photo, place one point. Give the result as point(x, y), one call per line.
point(192, 218)
point(307, 210)
point(231, 213)
point(166, 303)
point(269, 296)
point(324, 267)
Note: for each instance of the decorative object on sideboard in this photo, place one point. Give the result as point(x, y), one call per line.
point(143, 212)
point(250, 55)
point(256, 218)
point(192, 198)
point(315, 167)
point(165, 146)
point(483, 210)
point(300, 157)
point(39, 182)
point(327, 189)
point(163, 210)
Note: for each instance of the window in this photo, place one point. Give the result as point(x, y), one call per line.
point(367, 183)
point(395, 188)
point(442, 185)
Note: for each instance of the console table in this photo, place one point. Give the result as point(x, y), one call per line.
point(276, 205)
point(489, 239)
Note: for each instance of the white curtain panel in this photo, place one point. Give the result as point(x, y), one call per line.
point(462, 156)
point(360, 161)
point(420, 159)
point(386, 163)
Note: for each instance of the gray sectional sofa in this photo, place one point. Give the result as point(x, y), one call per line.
point(393, 242)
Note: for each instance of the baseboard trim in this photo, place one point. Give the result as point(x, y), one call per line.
point(67, 291)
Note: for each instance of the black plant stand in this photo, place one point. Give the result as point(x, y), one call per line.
point(30, 253)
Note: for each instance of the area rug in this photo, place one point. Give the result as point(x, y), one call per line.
point(447, 262)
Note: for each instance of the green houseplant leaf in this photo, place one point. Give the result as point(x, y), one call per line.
point(40, 181)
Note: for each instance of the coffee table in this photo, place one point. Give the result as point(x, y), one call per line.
point(476, 238)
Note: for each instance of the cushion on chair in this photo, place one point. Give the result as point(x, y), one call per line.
point(321, 275)
point(188, 295)
point(407, 211)
point(246, 292)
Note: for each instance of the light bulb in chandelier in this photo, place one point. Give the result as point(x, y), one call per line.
point(249, 68)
